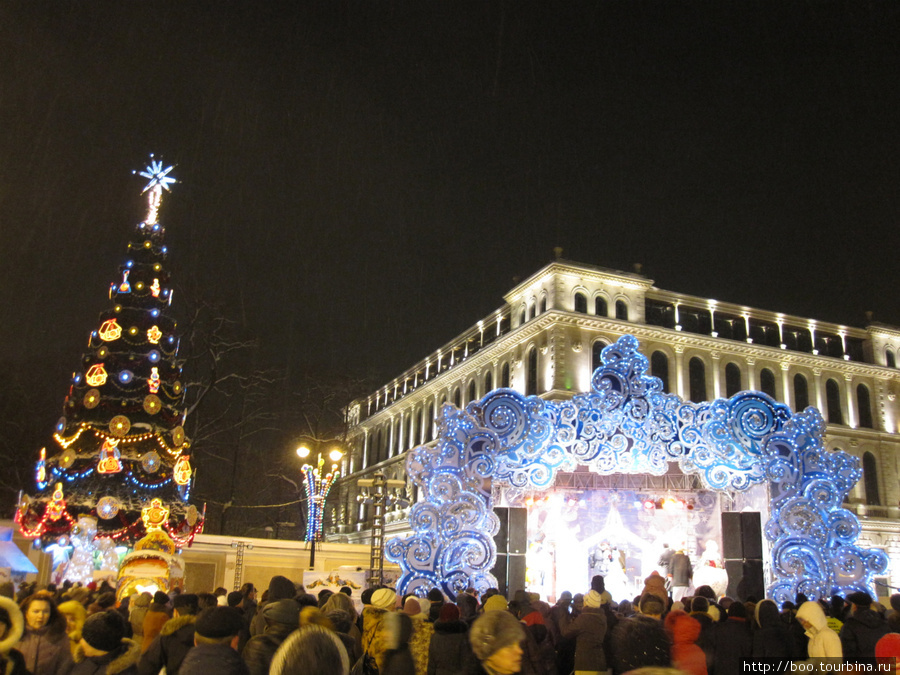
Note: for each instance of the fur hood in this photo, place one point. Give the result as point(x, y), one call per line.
point(18, 625)
point(127, 658)
point(179, 622)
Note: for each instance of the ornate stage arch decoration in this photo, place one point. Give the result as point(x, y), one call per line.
point(627, 424)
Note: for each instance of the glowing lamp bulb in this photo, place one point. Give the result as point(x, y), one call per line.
point(303, 452)
point(335, 455)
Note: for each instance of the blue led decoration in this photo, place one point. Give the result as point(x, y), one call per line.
point(126, 376)
point(627, 424)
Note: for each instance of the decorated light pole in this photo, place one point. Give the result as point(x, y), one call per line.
point(317, 486)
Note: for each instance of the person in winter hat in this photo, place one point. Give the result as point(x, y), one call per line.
point(216, 635)
point(281, 617)
point(862, 628)
point(641, 639)
point(104, 649)
point(75, 615)
point(157, 614)
point(175, 639)
point(137, 611)
point(887, 650)
point(588, 630)
point(280, 588)
point(311, 649)
point(383, 600)
point(397, 630)
point(12, 625)
point(823, 642)
point(449, 644)
point(684, 631)
point(496, 639)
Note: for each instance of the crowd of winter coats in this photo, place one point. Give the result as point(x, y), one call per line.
point(84, 631)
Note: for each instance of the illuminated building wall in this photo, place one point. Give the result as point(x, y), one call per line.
point(546, 338)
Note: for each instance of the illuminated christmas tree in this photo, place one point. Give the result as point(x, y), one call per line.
point(120, 442)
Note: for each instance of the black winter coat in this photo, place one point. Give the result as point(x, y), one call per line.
point(860, 632)
point(449, 650)
point(260, 649)
point(122, 661)
point(170, 647)
point(589, 630)
point(733, 644)
point(640, 641)
point(209, 659)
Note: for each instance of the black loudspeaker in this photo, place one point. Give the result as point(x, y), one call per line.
point(511, 541)
point(741, 535)
point(745, 579)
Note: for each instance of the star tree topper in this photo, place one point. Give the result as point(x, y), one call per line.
point(159, 180)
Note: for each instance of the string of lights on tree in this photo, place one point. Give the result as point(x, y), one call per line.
point(627, 424)
point(121, 440)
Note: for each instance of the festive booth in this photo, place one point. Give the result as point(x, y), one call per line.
point(745, 445)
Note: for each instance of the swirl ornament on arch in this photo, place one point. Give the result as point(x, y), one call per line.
point(627, 424)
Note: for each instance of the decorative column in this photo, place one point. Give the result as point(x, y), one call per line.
point(787, 394)
point(820, 397)
point(852, 417)
point(679, 371)
point(751, 374)
point(717, 376)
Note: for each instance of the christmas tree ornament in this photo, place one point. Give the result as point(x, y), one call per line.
point(178, 436)
point(119, 426)
point(125, 287)
point(182, 471)
point(109, 461)
point(153, 335)
point(96, 375)
point(66, 459)
point(107, 507)
point(91, 400)
point(150, 461)
point(154, 288)
point(153, 383)
point(152, 404)
point(110, 330)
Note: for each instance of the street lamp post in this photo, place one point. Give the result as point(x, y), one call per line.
point(317, 487)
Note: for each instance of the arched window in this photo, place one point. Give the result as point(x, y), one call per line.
point(600, 308)
point(429, 423)
point(488, 382)
point(420, 429)
point(732, 379)
point(375, 448)
point(889, 358)
point(580, 303)
point(697, 378)
point(457, 398)
point(543, 304)
point(833, 401)
point(522, 316)
point(472, 396)
point(533, 312)
point(504, 376)
point(621, 310)
point(531, 375)
point(659, 367)
point(767, 382)
point(864, 403)
point(801, 393)
point(596, 353)
point(870, 479)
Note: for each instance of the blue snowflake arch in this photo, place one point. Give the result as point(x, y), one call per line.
point(627, 424)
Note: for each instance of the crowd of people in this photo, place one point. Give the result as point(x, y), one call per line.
point(76, 630)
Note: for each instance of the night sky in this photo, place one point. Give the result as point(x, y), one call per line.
point(360, 181)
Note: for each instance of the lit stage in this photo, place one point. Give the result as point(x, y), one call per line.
point(575, 534)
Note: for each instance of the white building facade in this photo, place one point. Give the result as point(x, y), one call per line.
point(546, 340)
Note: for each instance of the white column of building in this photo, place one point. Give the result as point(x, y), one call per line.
point(786, 385)
point(679, 371)
point(717, 378)
point(852, 416)
point(391, 438)
point(365, 449)
point(820, 394)
point(751, 374)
